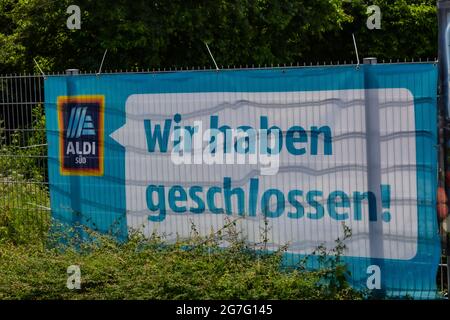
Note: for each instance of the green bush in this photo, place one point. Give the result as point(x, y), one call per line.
point(24, 217)
point(24, 198)
point(24, 152)
point(141, 268)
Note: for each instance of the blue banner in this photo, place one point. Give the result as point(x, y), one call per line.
point(299, 151)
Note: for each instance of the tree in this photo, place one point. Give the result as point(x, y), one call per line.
point(168, 33)
point(408, 30)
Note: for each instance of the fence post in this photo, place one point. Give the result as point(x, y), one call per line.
point(72, 71)
point(372, 121)
point(444, 106)
point(75, 189)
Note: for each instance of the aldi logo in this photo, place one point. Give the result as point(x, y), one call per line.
point(81, 121)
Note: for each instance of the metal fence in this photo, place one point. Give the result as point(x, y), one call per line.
point(24, 200)
point(24, 195)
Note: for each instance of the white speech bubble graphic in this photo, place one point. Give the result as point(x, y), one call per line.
point(345, 169)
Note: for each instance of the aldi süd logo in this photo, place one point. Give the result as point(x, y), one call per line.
point(81, 120)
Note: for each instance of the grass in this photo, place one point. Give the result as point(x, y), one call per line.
point(24, 217)
point(142, 268)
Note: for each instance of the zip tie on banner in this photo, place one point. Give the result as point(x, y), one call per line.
point(356, 51)
point(217, 68)
point(39, 206)
point(33, 146)
point(101, 64)
point(37, 64)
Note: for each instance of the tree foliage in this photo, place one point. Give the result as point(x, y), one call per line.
point(168, 33)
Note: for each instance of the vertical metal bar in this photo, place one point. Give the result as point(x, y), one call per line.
point(373, 153)
point(3, 120)
point(75, 189)
point(444, 105)
point(2, 141)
